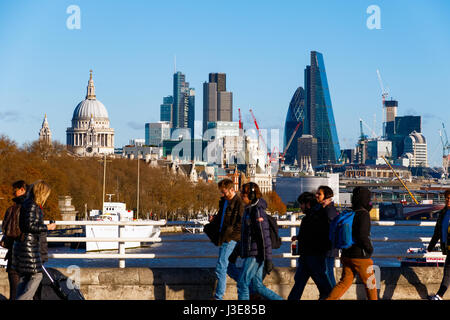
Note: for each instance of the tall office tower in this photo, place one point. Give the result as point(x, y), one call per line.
point(209, 103)
point(320, 111)
point(295, 114)
point(307, 149)
point(166, 109)
point(390, 107)
point(183, 111)
point(217, 102)
point(220, 79)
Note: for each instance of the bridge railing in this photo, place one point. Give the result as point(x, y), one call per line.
point(292, 224)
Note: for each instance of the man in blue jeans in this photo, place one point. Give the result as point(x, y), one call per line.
point(228, 221)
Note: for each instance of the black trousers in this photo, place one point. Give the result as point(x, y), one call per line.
point(13, 278)
point(446, 279)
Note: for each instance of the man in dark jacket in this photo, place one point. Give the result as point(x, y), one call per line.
point(324, 196)
point(313, 245)
point(11, 232)
point(356, 259)
point(228, 222)
point(255, 245)
point(442, 234)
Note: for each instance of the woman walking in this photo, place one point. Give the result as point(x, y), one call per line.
point(30, 251)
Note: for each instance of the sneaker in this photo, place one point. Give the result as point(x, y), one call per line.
point(435, 297)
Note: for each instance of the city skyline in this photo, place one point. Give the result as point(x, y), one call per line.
point(132, 61)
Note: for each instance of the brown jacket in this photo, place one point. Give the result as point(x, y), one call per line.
point(231, 228)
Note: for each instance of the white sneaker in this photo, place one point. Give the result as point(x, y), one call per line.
point(435, 297)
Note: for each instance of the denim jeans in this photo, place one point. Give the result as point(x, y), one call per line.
point(222, 267)
point(330, 261)
point(314, 267)
point(28, 285)
point(251, 277)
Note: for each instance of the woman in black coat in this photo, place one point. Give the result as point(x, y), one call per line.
point(30, 251)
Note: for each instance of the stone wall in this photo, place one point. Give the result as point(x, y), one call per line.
point(199, 283)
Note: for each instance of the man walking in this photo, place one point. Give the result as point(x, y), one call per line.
point(313, 245)
point(356, 259)
point(228, 221)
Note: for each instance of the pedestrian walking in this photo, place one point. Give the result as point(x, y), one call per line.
point(356, 259)
point(29, 252)
point(255, 245)
point(324, 196)
point(11, 232)
point(228, 223)
point(442, 234)
point(313, 245)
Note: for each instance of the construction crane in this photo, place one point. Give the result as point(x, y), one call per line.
point(290, 141)
point(361, 121)
point(259, 132)
point(240, 119)
point(445, 150)
point(384, 92)
point(401, 181)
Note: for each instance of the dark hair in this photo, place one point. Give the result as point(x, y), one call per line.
point(327, 191)
point(225, 183)
point(20, 184)
point(447, 193)
point(252, 191)
point(307, 197)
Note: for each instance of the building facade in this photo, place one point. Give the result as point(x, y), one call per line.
point(156, 132)
point(90, 133)
point(166, 109)
point(415, 149)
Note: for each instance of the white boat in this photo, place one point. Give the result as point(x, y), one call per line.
point(116, 211)
point(438, 259)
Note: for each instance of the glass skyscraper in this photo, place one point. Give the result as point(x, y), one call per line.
point(166, 109)
point(295, 112)
point(314, 105)
point(183, 111)
point(320, 111)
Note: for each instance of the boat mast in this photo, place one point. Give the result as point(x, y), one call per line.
point(401, 181)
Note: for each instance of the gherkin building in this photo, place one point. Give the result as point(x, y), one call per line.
point(296, 112)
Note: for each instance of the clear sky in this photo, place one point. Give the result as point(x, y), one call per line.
point(262, 46)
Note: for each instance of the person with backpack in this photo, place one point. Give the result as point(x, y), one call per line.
point(356, 258)
point(29, 251)
point(255, 245)
point(313, 245)
point(11, 232)
point(442, 234)
point(324, 196)
point(227, 224)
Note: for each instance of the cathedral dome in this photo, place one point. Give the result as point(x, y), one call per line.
point(90, 107)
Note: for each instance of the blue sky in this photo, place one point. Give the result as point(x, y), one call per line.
point(262, 46)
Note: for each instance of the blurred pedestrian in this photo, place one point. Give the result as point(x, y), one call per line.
point(442, 234)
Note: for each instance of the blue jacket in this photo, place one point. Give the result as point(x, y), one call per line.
point(255, 235)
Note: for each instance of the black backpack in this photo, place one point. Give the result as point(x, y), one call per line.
point(273, 228)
